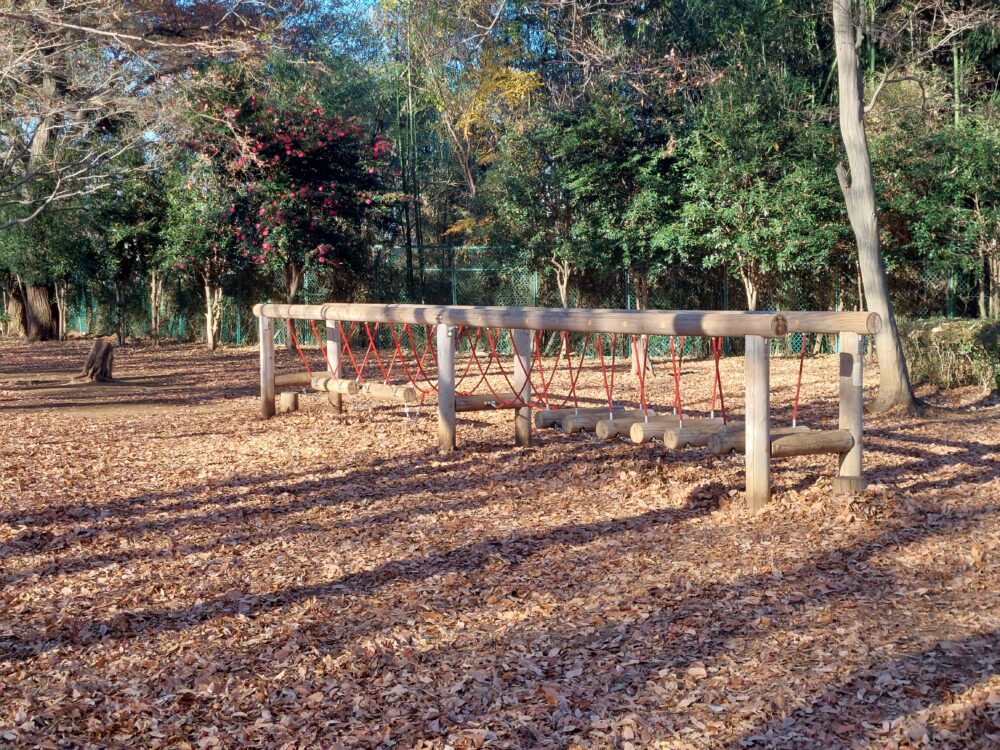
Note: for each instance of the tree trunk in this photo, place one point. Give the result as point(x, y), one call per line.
point(97, 368)
point(859, 195)
point(39, 325)
point(984, 281)
point(564, 269)
point(16, 327)
point(120, 312)
point(62, 289)
point(640, 344)
point(994, 263)
point(750, 288)
point(293, 282)
point(155, 295)
point(213, 315)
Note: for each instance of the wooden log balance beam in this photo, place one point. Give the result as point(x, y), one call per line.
point(788, 441)
point(486, 402)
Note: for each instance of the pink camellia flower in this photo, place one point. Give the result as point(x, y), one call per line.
point(266, 246)
point(180, 266)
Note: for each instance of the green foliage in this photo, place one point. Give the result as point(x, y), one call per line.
point(198, 232)
point(953, 353)
point(761, 197)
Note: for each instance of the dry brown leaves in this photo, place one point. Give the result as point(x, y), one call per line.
point(176, 573)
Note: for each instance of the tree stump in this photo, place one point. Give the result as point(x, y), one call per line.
point(97, 368)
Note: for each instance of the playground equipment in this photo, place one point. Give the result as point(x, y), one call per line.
point(527, 390)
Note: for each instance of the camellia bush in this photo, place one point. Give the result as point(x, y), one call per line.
point(307, 184)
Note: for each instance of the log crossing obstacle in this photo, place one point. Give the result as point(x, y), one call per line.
point(550, 418)
point(756, 438)
point(573, 423)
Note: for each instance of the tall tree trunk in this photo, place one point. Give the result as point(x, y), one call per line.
point(62, 291)
point(293, 282)
point(39, 325)
point(564, 269)
point(640, 344)
point(16, 325)
point(859, 194)
point(993, 255)
point(155, 295)
point(751, 288)
point(213, 314)
point(984, 281)
point(120, 312)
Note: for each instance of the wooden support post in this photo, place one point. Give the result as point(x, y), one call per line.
point(758, 421)
point(265, 335)
point(336, 399)
point(446, 386)
point(522, 385)
point(852, 413)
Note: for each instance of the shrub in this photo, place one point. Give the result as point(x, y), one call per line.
point(952, 353)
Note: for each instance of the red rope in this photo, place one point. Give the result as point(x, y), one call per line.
point(609, 390)
point(716, 352)
point(676, 365)
point(642, 377)
point(798, 384)
point(319, 343)
point(295, 340)
point(345, 338)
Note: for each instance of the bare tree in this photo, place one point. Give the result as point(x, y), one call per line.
point(858, 186)
point(82, 82)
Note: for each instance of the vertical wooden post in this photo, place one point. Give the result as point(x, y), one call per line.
point(852, 413)
point(265, 338)
point(758, 421)
point(522, 385)
point(446, 386)
point(333, 344)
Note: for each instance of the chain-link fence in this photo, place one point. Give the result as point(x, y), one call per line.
point(466, 275)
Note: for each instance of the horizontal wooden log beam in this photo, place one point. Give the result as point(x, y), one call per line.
point(642, 431)
point(406, 394)
point(579, 319)
point(293, 380)
point(486, 401)
point(735, 440)
point(694, 436)
point(588, 422)
point(335, 385)
point(552, 417)
point(608, 428)
point(833, 322)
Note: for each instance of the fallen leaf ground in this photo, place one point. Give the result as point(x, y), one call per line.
point(175, 572)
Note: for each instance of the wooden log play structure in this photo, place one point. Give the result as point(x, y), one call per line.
point(526, 391)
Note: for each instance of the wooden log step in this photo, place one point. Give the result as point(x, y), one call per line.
point(606, 429)
point(293, 380)
point(329, 384)
point(382, 392)
point(735, 440)
point(654, 429)
point(288, 402)
point(694, 437)
point(588, 422)
point(552, 417)
point(486, 401)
